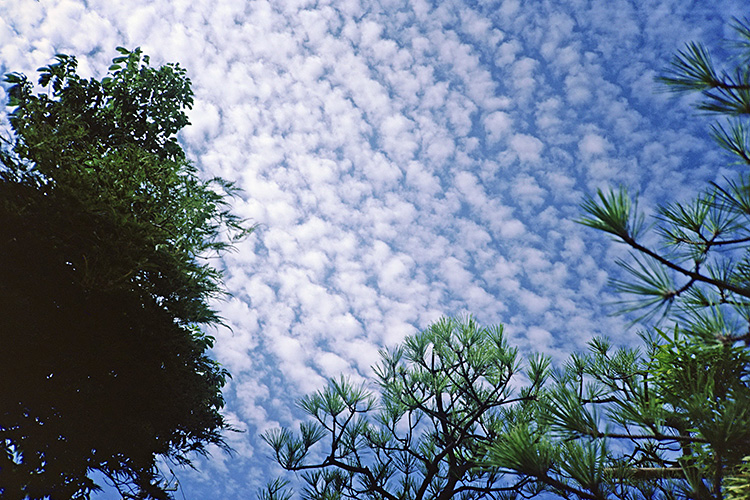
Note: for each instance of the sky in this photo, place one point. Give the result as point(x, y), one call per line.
point(403, 160)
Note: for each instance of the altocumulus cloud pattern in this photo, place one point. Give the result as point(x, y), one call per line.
point(404, 160)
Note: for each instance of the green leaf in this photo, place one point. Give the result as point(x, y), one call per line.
point(118, 221)
point(275, 490)
point(614, 213)
point(734, 139)
point(14, 78)
point(691, 69)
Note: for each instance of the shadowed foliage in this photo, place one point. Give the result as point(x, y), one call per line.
point(104, 296)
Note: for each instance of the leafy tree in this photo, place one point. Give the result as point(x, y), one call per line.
point(444, 396)
point(672, 421)
point(104, 287)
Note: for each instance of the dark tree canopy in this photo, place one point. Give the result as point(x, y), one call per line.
point(104, 296)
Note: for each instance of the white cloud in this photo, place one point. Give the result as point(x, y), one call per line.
point(205, 121)
point(592, 145)
point(524, 78)
point(527, 147)
point(535, 304)
point(497, 125)
point(509, 8)
point(526, 188)
point(506, 53)
point(539, 338)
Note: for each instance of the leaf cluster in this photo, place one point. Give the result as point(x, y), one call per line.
point(104, 293)
point(738, 485)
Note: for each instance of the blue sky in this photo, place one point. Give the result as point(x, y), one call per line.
point(404, 161)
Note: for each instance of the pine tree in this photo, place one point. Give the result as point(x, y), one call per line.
point(671, 420)
point(443, 397)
